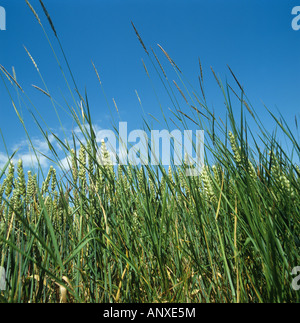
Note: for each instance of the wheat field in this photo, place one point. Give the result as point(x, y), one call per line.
point(94, 232)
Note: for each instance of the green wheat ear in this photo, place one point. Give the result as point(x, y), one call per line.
point(2, 189)
point(208, 184)
point(119, 173)
point(9, 179)
point(19, 189)
point(170, 174)
point(251, 170)
point(235, 149)
point(106, 161)
point(74, 166)
point(45, 185)
point(105, 156)
point(82, 165)
point(21, 179)
point(140, 177)
point(29, 189)
point(151, 186)
point(217, 174)
point(54, 180)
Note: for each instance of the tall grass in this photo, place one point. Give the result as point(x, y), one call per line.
point(151, 234)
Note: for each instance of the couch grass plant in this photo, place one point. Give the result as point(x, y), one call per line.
point(92, 232)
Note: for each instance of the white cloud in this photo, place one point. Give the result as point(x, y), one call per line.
point(30, 161)
point(25, 152)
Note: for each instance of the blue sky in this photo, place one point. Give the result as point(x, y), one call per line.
point(254, 38)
